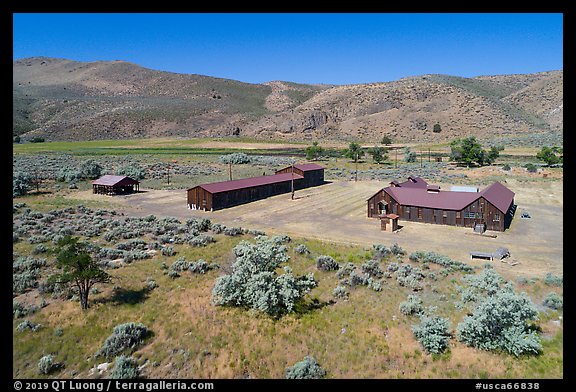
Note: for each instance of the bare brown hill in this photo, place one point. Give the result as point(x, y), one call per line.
point(68, 100)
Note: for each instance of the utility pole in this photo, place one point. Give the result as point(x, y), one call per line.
point(396, 160)
point(168, 174)
point(292, 182)
point(428, 154)
point(230, 170)
point(356, 176)
point(421, 158)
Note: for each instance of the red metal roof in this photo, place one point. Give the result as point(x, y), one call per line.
point(497, 194)
point(225, 186)
point(304, 167)
point(420, 197)
point(111, 180)
point(413, 182)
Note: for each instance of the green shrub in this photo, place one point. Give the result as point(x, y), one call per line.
point(499, 321)
point(21, 184)
point(308, 368)
point(28, 325)
point(255, 283)
point(340, 292)
point(553, 301)
point(132, 170)
point(553, 280)
point(433, 333)
point(372, 268)
point(345, 271)
point(201, 267)
point(151, 284)
point(412, 305)
point(326, 263)
point(233, 231)
point(124, 336)
point(168, 251)
point(380, 251)
point(46, 365)
point(199, 224)
point(236, 158)
point(302, 249)
point(125, 368)
point(397, 250)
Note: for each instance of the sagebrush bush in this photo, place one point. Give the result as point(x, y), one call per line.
point(168, 251)
point(553, 280)
point(380, 251)
point(308, 368)
point(372, 268)
point(199, 267)
point(436, 258)
point(46, 365)
point(374, 284)
point(412, 305)
point(345, 271)
point(500, 321)
point(302, 249)
point(397, 250)
point(125, 368)
point(199, 224)
point(326, 263)
point(151, 284)
point(433, 333)
point(180, 265)
point(28, 325)
point(236, 158)
point(340, 292)
point(124, 336)
point(553, 301)
point(255, 283)
point(233, 231)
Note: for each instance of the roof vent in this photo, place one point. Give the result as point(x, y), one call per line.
point(432, 188)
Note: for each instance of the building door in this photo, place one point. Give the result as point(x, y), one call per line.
point(382, 207)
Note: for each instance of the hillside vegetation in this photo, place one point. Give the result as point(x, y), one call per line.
point(60, 99)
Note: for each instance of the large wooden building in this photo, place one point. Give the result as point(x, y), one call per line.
point(313, 174)
point(417, 201)
point(225, 194)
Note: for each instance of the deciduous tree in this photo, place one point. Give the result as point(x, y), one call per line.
point(78, 268)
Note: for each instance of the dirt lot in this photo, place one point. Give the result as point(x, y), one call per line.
point(337, 212)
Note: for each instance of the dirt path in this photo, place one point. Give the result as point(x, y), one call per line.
point(337, 212)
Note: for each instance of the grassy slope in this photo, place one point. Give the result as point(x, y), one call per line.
point(364, 337)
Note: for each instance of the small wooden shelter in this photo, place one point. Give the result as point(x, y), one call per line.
point(389, 222)
point(115, 185)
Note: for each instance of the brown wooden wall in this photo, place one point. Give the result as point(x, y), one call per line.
point(480, 211)
point(200, 197)
point(207, 201)
point(311, 177)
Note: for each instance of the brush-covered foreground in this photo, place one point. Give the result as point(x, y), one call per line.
point(360, 335)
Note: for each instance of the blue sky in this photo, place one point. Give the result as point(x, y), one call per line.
point(332, 48)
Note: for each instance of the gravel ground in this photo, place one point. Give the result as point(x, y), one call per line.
point(337, 212)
